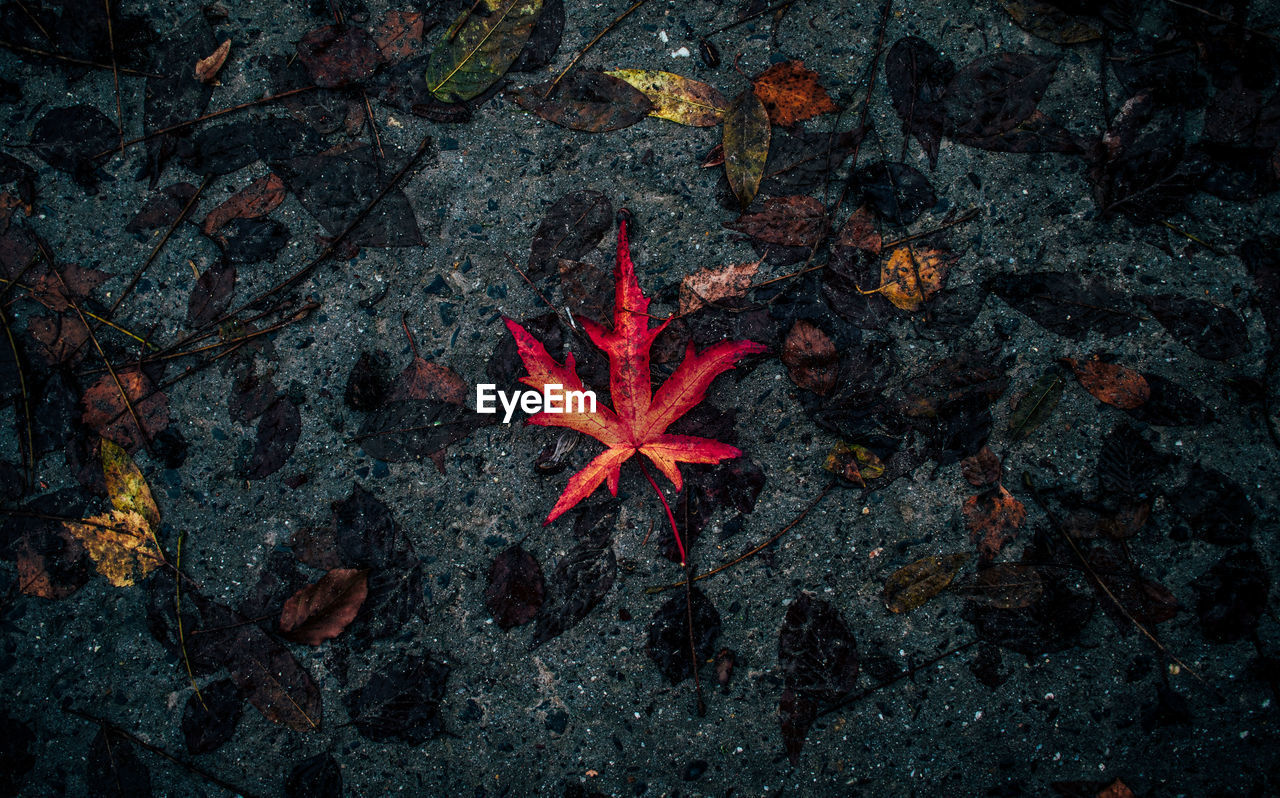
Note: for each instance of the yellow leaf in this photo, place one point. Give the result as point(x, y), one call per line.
point(126, 486)
point(898, 276)
point(677, 98)
point(121, 544)
point(746, 145)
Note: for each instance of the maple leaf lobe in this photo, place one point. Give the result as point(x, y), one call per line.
point(639, 418)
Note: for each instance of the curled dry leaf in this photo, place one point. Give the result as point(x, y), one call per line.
point(981, 469)
point(675, 97)
point(320, 611)
point(251, 202)
point(811, 358)
point(992, 519)
point(854, 463)
point(790, 221)
point(912, 585)
point(791, 93)
point(746, 145)
point(207, 68)
point(712, 285)
point(1116, 385)
point(912, 275)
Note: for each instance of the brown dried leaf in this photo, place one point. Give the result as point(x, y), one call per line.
point(429, 381)
point(399, 37)
point(811, 358)
point(992, 519)
point(791, 93)
point(790, 221)
point(251, 202)
point(1007, 586)
point(107, 413)
point(912, 585)
point(207, 68)
point(981, 469)
point(714, 284)
point(320, 611)
point(1116, 385)
point(859, 232)
point(516, 588)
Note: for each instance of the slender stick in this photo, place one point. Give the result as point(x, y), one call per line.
point(591, 44)
point(753, 551)
point(155, 251)
point(912, 671)
point(115, 74)
point(20, 48)
point(29, 450)
point(177, 609)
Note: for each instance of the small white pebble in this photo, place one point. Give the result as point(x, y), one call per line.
point(683, 52)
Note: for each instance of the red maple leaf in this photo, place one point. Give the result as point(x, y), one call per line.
point(639, 418)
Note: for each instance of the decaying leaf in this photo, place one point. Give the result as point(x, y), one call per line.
point(1116, 385)
point(746, 145)
point(320, 611)
point(910, 276)
point(670, 634)
point(791, 93)
point(917, 76)
point(854, 463)
point(338, 55)
point(516, 588)
point(573, 226)
point(207, 68)
point(677, 98)
point(992, 519)
point(1031, 409)
point(1004, 585)
point(912, 585)
point(810, 357)
point(981, 469)
point(254, 200)
point(819, 661)
point(1050, 22)
point(123, 542)
point(478, 48)
point(714, 284)
point(795, 221)
point(588, 101)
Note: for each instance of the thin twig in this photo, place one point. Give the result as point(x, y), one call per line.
point(21, 48)
point(912, 671)
point(115, 74)
point(28, 451)
point(751, 552)
point(155, 251)
point(204, 117)
point(177, 609)
point(525, 277)
point(591, 44)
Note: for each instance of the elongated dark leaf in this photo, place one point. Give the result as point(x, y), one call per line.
point(412, 429)
point(670, 633)
point(918, 77)
point(211, 294)
point(1067, 304)
point(516, 587)
point(251, 240)
point(1231, 596)
point(316, 777)
point(401, 702)
point(582, 577)
point(74, 139)
point(994, 93)
point(912, 585)
point(746, 145)
point(176, 96)
point(479, 47)
point(1170, 405)
point(819, 662)
point(1031, 409)
point(898, 193)
point(588, 101)
point(790, 221)
point(279, 428)
point(1209, 330)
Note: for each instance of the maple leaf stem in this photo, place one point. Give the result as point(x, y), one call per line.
point(670, 516)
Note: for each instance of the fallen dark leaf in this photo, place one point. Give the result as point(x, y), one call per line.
point(75, 139)
point(1128, 465)
point(1051, 22)
point(516, 588)
point(338, 55)
point(367, 383)
point(712, 284)
point(994, 93)
point(1216, 507)
point(210, 718)
point(321, 611)
point(810, 357)
point(993, 518)
point(1119, 581)
point(670, 635)
point(409, 430)
point(1231, 596)
point(746, 145)
point(981, 469)
point(896, 192)
point(1018, 616)
point(1209, 330)
point(161, 209)
point(540, 50)
point(1031, 409)
point(107, 413)
point(16, 759)
point(1171, 405)
point(1066, 304)
point(479, 47)
point(1112, 383)
point(172, 95)
point(401, 701)
point(315, 777)
point(572, 227)
point(251, 394)
point(583, 576)
point(425, 381)
point(224, 148)
point(279, 428)
point(251, 202)
point(912, 585)
point(588, 101)
point(1004, 585)
point(819, 662)
point(211, 294)
point(917, 77)
point(790, 221)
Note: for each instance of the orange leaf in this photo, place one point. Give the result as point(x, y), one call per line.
point(320, 611)
point(992, 519)
point(912, 275)
point(639, 418)
point(791, 93)
point(1118, 386)
point(711, 285)
point(207, 68)
point(254, 200)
